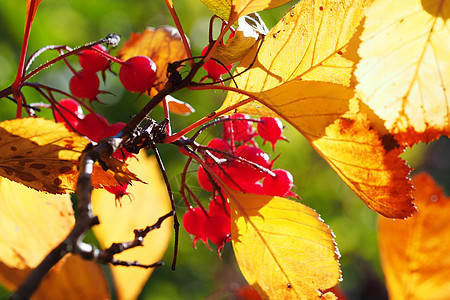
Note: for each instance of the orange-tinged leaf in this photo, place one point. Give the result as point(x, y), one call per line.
point(311, 42)
point(71, 279)
point(32, 223)
point(414, 252)
point(404, 72)
point(148, 202)
point(32, 6)
point(43, 155)
point(283, 248)
point(179, 107)
point(162, 44)
point(40, 154)
point(364, 157)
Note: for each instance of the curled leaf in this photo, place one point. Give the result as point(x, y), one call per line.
point(283, 248)
point(404, 72)
point(414, 252)
point(250, 30)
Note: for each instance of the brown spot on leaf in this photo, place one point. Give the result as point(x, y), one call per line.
point(65, 169)
point(25, 176)
point(57, 181)
point(289, 286)
point(13, 148)
point(340, 52)
point(45, 173)
point(389, 142)
point(38, 166)
point(321, 8)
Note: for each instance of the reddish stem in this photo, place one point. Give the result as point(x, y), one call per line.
point(175, 18)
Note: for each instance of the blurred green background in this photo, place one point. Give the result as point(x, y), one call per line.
point(200, 273)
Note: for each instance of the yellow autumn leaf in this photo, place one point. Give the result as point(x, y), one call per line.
point(232, 10)
point(283, 248)
point(43, 155)
point(414, 252)
point(404, 72)
point(40, 154)
point(220, 8)
point(309, 84)
point(148, 202)
point(73, 278)
point(311, 42)
point(32, 223)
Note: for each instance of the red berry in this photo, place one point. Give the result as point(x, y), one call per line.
point(278, 185)
point(138, 74)
point(94, 126)
point(203, 180)
point(216, 207)
point(242, 171)
point(118, 190)
point(219, 144)
point(239, 130)
point(214, 69)
point(92, 61)
point(193, 221)
point(84, 84)
point(217, 229)
point(270, 129)
point(69, 111)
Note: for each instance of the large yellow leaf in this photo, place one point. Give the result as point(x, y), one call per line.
point(404, 72)
point(303, 73)
point(117, 222)
point(283, 248)
point(311, 42)
point(32, 223)
point(414, 252)
point(71, 279)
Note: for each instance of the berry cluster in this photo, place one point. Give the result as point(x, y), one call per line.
point(85, 83)
point(238, 161)
point(137, 74)
point(95, 127)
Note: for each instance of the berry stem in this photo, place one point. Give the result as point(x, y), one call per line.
point(175, 18)
point(108, 56)
point(213, 115)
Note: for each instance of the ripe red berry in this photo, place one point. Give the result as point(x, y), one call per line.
point(214, 69)
point(242, 171)
point(69, 111)
point(84, 84)
point(94, 126)
point(217, 229)
point(118, 191)
point(92, 61)
point(203, 180)
point(138, 74)
point(193, 221)
point(270, 129)
point(278, 185)
point(216, 207)
point(239, 130)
